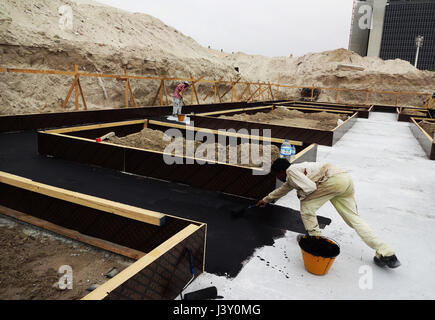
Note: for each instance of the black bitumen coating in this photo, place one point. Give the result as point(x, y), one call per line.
point(319, 247)
point(230, 240)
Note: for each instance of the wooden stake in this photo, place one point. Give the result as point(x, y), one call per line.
point(76, 89)
point(367, 97)
point(312, 92)
point(82, 95)
point(277, 87)
point(166, 92)
point(157, 94)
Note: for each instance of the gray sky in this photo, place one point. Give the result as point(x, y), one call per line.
point(267, 27)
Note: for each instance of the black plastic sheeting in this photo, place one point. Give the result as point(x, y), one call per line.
point(230, 241)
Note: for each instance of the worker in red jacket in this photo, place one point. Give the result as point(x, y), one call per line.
point(178, 97)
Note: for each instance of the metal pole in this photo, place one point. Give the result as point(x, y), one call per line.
point(418, 44)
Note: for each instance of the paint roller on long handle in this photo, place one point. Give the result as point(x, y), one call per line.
point(237, 213)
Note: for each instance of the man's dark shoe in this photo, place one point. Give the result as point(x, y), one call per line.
point(390, 261)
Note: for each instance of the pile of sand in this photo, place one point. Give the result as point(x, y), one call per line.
point(158, 141)
point(103, 39)
point(292, 118)
point(413, 112)
point(427, 126)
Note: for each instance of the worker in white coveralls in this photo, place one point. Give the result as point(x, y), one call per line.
point(178, 97)
point(316, 183)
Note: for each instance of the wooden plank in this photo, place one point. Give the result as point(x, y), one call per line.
point(94, 126)
point(165, 92)
point(231, 110)
point(103, 290)
point(320, 109)
point(223, 95)
point(82, 95)
point(252, 95)
point(73, 234)
point(344, 122)
point(304, 151)
point(157, 94)
point(131, 93)
point(69, 93)
point(76, 88)
point(228, 134)
point(211, 90)
point(120, 209)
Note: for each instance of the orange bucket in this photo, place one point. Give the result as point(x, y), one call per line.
point(318, 254)
point(181, 117)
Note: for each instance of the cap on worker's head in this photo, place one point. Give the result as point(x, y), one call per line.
point(280, 164)
point(186, 83)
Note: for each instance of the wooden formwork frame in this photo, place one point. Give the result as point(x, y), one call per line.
point(258, 94)
point(9, 123)
point(401, 116)
point(426, 141)
point(363, 110)
point(145, 162)
point(192, 233)
point(306, 135)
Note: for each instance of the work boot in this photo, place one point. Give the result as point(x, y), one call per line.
point(390, 261)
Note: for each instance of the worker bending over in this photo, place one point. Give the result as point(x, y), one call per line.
point(178, 97)
point(316, 183)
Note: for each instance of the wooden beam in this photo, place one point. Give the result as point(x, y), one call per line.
point(158, 92)
point(165, 92)
point(95, 126)
point(270, 91)
point(147, 216)
point(210, 91)
point(226, 133)
point(82, 95)
point(126, 87)
point(277, 87)
point(252, 95)
point(69, 93)
point(103, 290)
point(76, 89)
point(73, 234)
point(220, 98)
point(243, 93)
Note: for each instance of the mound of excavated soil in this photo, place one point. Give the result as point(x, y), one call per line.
point(30, 260)
point(413, 112)
point(102, 39)
point(429, 127)
point(292, 118)
point(158, 141)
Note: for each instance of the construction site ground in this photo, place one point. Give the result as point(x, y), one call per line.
point(285, 117)
point(31, 259)
point(395, 194)
point(394, 191)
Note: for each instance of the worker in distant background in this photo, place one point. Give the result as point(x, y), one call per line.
point(178, 97)
point(316, 183)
